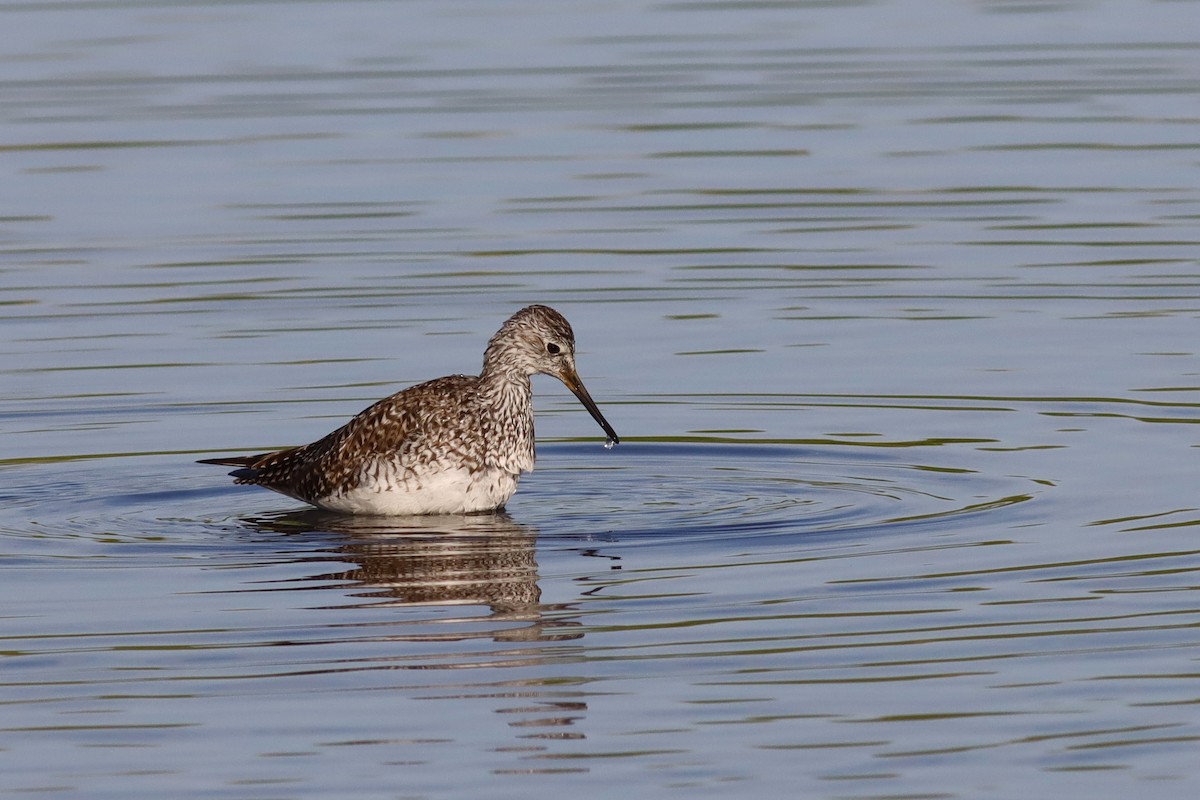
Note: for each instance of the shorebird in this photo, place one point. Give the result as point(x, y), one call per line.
point(451, 445)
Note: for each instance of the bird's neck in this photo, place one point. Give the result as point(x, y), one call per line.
point(498, 384)
point(506, 409)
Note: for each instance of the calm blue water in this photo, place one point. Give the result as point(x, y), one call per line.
point(894, 306)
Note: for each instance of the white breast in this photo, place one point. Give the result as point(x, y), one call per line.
point(450, 490)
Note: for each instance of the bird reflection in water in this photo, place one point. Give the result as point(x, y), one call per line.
point(451, 560)
point(465, 561)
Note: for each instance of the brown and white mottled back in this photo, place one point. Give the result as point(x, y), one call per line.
point(451, 445)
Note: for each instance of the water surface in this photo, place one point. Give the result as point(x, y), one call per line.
point(892, 303)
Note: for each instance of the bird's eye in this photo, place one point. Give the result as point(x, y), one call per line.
point(553, 349)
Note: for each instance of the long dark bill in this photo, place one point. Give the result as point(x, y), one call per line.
point(572, 382)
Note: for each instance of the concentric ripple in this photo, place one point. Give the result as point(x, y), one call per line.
point(651, 490)
point(638, 491)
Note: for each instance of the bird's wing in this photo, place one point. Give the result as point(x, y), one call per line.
point(389, 428)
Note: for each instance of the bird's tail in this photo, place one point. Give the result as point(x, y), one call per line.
point(245, 465)
point(230, 461)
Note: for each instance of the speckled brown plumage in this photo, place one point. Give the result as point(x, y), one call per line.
point(450, 445)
